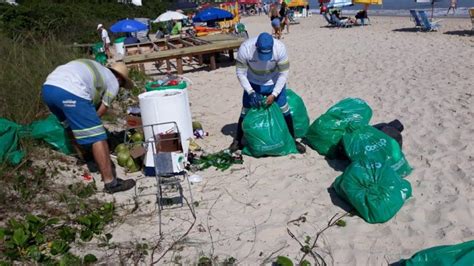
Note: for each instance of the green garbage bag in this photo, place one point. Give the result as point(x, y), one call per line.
point(51, 131)
point(368, 143)
point(9, 140)
point(374, 189)
point(266, 133)
point(461, 254)
point(326, 132)
point(298, 113)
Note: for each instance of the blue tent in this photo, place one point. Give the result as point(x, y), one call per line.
point(212, 14)
point(128, 25)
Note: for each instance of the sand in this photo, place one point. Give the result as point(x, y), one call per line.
point(425, 80)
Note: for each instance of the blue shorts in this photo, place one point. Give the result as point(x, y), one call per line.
point(276, 23)
point(266, 90)
point(75, 112)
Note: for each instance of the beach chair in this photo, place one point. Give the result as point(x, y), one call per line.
point(471, 13)
point(426, 24)
point(415, 18)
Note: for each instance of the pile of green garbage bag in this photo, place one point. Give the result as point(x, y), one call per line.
point(368, 143)
point(374, 189)
point(50, 130)
point(266, 133)
point(461, 254)
point(298, 113)
point(326, 132)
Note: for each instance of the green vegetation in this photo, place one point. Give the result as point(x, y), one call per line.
point(68, 215)
point(68, 20)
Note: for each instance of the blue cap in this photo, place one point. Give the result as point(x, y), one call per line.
point(264, 46)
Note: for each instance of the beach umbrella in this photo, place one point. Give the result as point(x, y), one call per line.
point(212, 14)
point(128, 25)
point(170, 15)
point(339, 3)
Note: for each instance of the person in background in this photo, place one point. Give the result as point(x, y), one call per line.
point(452, 6)
point(78, 94)
point(177, 27)
point(104, 37)
point(262, 67)
point(275, 21)
point(284, 19)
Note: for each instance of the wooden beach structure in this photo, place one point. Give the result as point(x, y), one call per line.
point(178, 51)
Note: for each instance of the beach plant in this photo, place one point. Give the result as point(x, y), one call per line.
point(36, 239)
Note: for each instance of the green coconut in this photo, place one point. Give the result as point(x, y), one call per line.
point(137, 137)
point(121, 147)
point(132, 165)
point(123, 157)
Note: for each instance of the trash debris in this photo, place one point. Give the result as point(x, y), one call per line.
point(195, 178)
point(222, 160)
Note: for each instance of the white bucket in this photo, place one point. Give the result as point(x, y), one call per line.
point(166, 106)
point(119, 48)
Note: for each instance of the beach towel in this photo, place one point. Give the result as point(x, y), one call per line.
point(326, 132)
point(298, 113)
point(374, 189)
point(266, 133)
point(368, 143)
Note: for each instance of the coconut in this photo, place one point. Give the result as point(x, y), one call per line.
point(121, 147)
point(122, 158)
point(137, 137)
point(132, 165)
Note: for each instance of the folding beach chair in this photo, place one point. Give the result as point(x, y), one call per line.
point(426, 24)
point(415, 18)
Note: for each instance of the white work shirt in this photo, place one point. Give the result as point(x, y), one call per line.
point(79, 79)
point(251, 70)
point(104, 36)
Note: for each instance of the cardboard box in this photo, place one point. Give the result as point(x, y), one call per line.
point(169, 142)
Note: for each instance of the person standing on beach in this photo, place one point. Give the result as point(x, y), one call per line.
point(78, 94)
point(284, 17)
point(275, 21)
point(452, 6)
point(262, 67)
point(104, 37)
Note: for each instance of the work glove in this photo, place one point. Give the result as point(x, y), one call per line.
point(255, 100)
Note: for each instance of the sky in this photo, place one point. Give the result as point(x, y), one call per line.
point(406, 4)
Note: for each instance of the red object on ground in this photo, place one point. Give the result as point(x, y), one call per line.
point(87, 176)
point(173, 82)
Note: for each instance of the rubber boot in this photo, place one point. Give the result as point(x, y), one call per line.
point(289, 122)
point(237, 143)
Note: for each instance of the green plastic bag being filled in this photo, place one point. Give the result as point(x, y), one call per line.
point(298, 113)
point(9, 139)
point(266, 133)
point(51, 131)
point(368, 143)
point(461, 254)
point(326, 132)
point(374, 189)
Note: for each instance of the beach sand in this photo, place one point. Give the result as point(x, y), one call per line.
point(425, 80)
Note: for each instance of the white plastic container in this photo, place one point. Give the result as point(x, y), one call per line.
point(166, 106)
point(119, 48)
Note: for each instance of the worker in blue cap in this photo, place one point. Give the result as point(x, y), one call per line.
point(262, 70)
